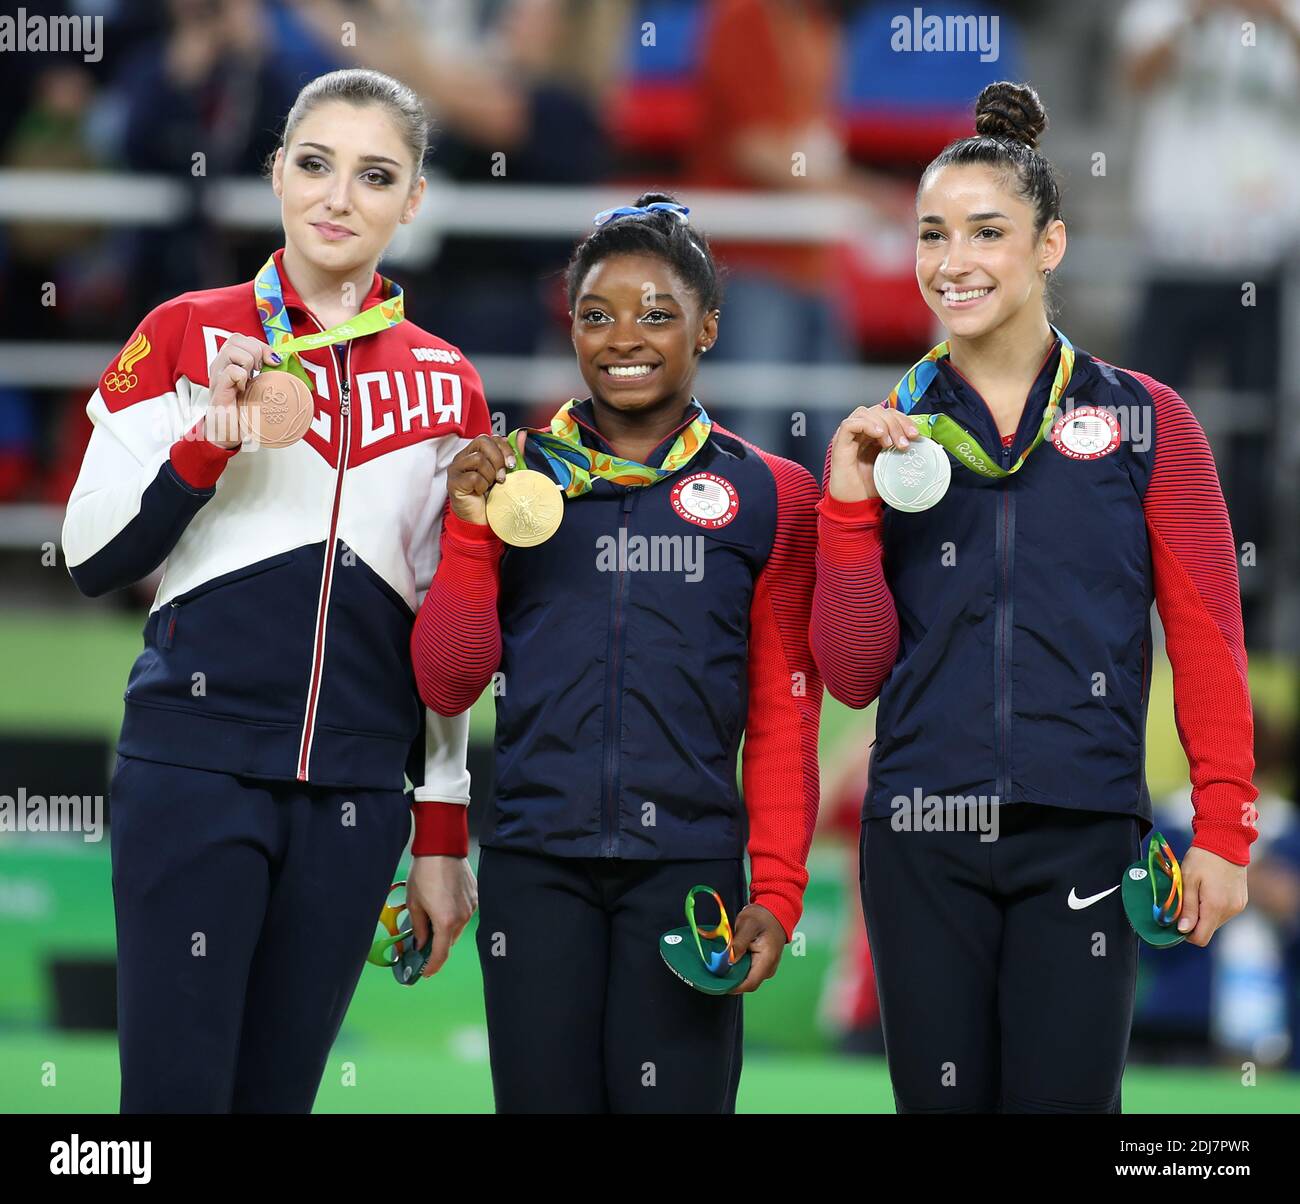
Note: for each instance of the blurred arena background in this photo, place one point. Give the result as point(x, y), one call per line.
point(129, 172)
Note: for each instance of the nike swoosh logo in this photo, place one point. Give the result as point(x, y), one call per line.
point(1077, 904)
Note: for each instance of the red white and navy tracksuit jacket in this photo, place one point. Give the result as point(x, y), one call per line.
point(627, 683)
point(278, 645)
point(1007, 630)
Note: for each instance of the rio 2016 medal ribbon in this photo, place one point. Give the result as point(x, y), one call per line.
point(277, 407)
point(704, 958)
point(912, 478)
point(396, 949)
point(1152, 891)
point(526, 508)
point(939, 431)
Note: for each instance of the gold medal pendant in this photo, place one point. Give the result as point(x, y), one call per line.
point(526, 508)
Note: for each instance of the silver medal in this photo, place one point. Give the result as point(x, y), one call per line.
point(914, 478)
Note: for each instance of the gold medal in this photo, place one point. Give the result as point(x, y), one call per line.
point(526, 508)
point(276, 410)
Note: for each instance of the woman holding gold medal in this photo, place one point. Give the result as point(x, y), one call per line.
point(990, 542)
point(288, 490)
point(636, 583)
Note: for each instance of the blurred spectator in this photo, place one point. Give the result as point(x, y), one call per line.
point(515, 98)
point(218, 83)
point(768, 79)
point(47, 134)
point(769, 85)
point(1216, 178)
point(897, 112)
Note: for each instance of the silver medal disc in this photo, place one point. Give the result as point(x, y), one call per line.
point(914, 478)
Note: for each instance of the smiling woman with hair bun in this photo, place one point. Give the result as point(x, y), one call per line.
point(995, 595)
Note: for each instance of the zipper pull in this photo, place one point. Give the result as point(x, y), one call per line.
point(345, 404)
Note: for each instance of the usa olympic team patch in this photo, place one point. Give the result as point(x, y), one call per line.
point(706, 500)
point(1086, 433)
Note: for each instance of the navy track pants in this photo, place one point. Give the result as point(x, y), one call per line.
point(1006, 976)
point(245, 910)
point(583, 1015)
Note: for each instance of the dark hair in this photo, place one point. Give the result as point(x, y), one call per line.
point(361, 86)
point(1009, 120)
point(661, 234)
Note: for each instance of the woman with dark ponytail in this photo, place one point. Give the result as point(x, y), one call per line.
point(999, 606)
point(629, 651)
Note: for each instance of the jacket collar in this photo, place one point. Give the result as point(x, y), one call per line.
point(293, 300)
point(584, 414)
point(951, 393)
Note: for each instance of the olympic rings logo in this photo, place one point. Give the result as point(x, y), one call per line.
point(123, 379)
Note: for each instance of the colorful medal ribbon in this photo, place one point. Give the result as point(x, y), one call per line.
point(405, 960)
point(575, 466)
point(279, 331)
point(1160, 854)
point(721, 960)
point(956, 439)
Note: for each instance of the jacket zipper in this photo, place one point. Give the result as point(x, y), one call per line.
point(327, 570)
point(614, 697)
point(1002, 636)
point(1142, 689)
point(171, 624)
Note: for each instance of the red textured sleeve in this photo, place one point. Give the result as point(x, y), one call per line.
point(785, 696)
point(1194, 560)
point(854, 631)
point(197, 462)
point(456, 640)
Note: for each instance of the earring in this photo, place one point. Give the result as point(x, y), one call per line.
point(1046, 272)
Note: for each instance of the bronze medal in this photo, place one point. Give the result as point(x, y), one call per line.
point(276, 410)
point(526, 508)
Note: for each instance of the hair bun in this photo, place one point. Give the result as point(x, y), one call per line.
point(1012, 112)
point(655, 198)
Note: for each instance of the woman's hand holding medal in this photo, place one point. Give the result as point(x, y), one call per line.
point(240, 356)
point(487, 485)
point(859, 440)
point(478, 466)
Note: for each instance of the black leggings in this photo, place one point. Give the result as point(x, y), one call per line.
point(995, 993)
point(583, 1015)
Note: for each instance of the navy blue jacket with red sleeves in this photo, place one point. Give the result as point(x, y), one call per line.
point(1007, 630)
point(634, 649)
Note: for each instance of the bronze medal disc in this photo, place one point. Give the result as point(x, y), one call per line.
point(277, 409)
point(526, 508)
